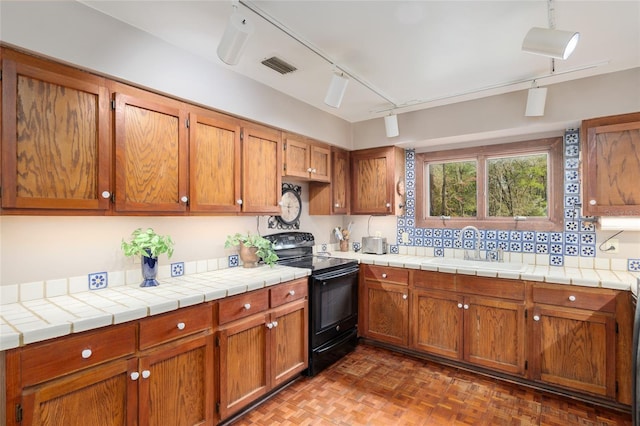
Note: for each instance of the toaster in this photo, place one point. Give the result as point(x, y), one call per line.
point(374, 245)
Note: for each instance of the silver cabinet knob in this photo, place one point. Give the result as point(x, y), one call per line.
point(388, 205)
point(181, 326)
point(465, 306)
point(86, 354)
point(313, 171)
point(404, 296)
point(309, 170)
point(592, 202)
point(247, 306)
point(184, 199)
point(460, 305)
point(572, 298)
point(292, 292)
point(239, 202)
point(106, 194)
point(275, 323)
point(384, 275)
point(536, 317)
point(146, 374)
point(269, 325)
point(337, 205)
point(135, 375)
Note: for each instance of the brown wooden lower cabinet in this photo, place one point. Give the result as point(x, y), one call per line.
point(262, 349)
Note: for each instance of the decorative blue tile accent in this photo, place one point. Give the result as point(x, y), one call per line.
point(571, 250)
point(235, 261)
point(468, 244)
point(437, 233)
point(428, 232)
point(356, 246)
point(410, 222)
point(323, 247)
point(542, 248)
point(587, 226)
point(491, 245)
point(411, 194)
point(528, 247)
point(571, 200)
point(457, 243)
point(177, 269)
point(571, 138)
point(98, 280)
point(571, 238)
point(410, 184)
point(556, 260)
point(410, 154)
point(417, 241)
point(515, 235)
point(447, 233)
point(437, 242)
point(428, 242)
point(588, 239)
point(439, 252)
point(633, 265)
point(571, 176)
point(587, 251)
point(515, 247)
point(542, 237)
point(491, 235)
point(410, 174)
point(572, 188)
point(419, 232)
point(393, 249)
point(400, 224)
point(504, 245)
point(571, 214)
point(571, 163)
point(555, 237)
point(555, 248)
point(528, 236)
point(411, 204)
point(571, 226)
point(503, 235)
point(571, 150)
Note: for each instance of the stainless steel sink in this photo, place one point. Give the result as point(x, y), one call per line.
point(476, 264)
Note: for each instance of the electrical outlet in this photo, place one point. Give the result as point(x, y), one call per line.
point(405, 237)
point(612, 246)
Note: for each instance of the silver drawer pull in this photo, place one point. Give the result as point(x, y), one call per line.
point(269, 325)
point(135, 375)
point(466, 306)
point(404, 296)
point(292, 292)
point(247, 306)
point(146, 374)
point(460, 305)
point(536, 317)
point(86, 354)
point(181, 326)
point(572, 298)
point(384, 275)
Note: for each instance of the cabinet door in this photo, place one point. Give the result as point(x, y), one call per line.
point(574, 348)
point(102, 395)
point(214, 154)
point(297, 157)
point(55, 138)
point(290, 334)
point(387, 312)
point(261, 165)
point(320, 163)
point(340, 181)
point(494, 333)
point(151, 155)
point(176, 384)
point(244, 363)
point(374, 173)
point(437, 319)
point(612, 165)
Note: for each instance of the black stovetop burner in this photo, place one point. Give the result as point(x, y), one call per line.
point(295, 249)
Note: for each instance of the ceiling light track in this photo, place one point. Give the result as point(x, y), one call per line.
point(492, 87)
point(315, 50)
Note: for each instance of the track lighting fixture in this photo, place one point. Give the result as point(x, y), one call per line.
point(391, 125)
point(336, 90)
point(550, 42)
point(235, 38)
point(536, 100)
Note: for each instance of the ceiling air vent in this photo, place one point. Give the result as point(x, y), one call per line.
point(279, 65)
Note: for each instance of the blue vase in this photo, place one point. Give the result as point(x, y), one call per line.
point(149, 271)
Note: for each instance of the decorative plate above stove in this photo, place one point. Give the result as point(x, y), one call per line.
point(291, 206)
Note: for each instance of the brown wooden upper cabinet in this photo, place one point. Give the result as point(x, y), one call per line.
point(375, 174)
point(55, 136)
point(306, 159)
point(333, 197)
point(611, 165)
point(214, 162)
point(151, 152)
point(261, 162)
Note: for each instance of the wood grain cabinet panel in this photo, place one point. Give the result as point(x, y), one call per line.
point(261, 165)
point(374, 176)
point(56, 151)
point(436, 323)
point(306, 159)
point(332, 197)
point(290, 341)
point(151, 154)
point(214, 163)
point(611, 165)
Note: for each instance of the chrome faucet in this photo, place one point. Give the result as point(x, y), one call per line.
point(477, 242)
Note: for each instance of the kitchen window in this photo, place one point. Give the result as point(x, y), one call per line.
point(506, 186)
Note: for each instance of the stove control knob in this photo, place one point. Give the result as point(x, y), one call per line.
point(337, 328)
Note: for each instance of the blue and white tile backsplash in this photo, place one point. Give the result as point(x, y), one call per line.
point(578, 238)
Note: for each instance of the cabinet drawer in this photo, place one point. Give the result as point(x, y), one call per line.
point(285, 293)
point(167, 327)
point(434, 280)
point(243, 305)
point(65, 355)
point(386, 273)
point(493, 287)
point(574, 297)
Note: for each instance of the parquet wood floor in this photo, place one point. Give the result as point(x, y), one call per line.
point(373, 386)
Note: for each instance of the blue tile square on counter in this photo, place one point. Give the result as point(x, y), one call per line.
point(571, 250)
point(556, 260)
point(98, 280)
point(633, 265)
point(439, 252)
point(356, 246)
point(177, 269)
point(233, 261)
point(393, 249)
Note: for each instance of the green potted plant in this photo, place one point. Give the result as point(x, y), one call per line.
point(252, 247)
point(149, 245)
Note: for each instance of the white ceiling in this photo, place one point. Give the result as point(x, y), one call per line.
point(411, 54)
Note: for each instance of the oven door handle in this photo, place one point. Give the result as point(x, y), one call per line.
point(333, 343)
point(336, 274)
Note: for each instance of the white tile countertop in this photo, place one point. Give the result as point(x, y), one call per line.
point(30, 321)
